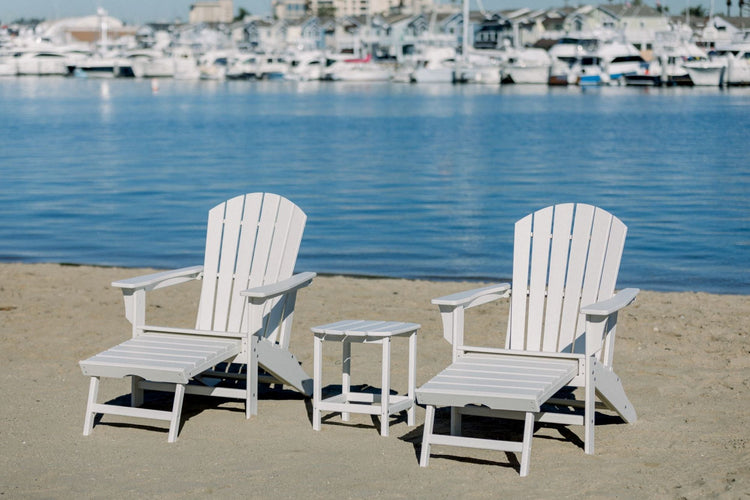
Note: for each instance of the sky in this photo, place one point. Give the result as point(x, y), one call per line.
point(141, 11)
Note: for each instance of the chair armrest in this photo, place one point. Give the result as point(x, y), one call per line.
point(160, 279)
point(611, 305)
point(260, 294)
point(478, 295)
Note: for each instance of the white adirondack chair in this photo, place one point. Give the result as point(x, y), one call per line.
point(244, 317)
point(561, 333)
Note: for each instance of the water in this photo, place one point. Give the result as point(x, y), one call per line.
point(397, 180)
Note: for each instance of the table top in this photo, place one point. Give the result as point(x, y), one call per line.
point(365, 328)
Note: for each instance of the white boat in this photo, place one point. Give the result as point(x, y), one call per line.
point(213, 65)
point(41, 63)
point(738, 68)
point(305, 66)
point(476, 67)
point(97, 66)
point(258, 66)
point(245, 67)
point(736, 54)
point(151, 64)
point(434, 65)
point(103, 62)
point(567, 58)
point(357, 70)
point(705, 72)
point(620, 60)
point(672, 49)
point(272, 66)
point(528, 66)
point(185, 64)
point(7, 65)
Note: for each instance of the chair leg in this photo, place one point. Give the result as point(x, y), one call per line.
point(346, 375)
point(136, 393)
point(251, 389)
point(385, 409)
point(88, 421)
point(174, 423)
point(528, 433)
point(412, 383)
point(429, 420)
point(317, 381)
point(455, 421)
point(589, 411)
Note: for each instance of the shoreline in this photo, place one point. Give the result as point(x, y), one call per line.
point(438, 279)
point(683, 358)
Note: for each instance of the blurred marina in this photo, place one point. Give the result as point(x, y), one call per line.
point(610, 44)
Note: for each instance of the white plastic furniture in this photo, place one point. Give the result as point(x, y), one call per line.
point(561, 332)
point(383, 404)
point(244, 318)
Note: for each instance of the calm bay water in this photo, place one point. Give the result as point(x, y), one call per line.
point(397, 180)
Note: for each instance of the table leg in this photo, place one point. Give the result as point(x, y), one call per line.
point(317, 380)
point(410, 413)
point(346, 374)
point(386, 387)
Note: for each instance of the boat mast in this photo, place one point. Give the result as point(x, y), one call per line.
point(465, 35)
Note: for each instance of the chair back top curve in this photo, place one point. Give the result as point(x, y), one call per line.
point(251, 240)
point(564, 257)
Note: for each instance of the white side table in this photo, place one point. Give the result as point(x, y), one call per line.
point(383, 404)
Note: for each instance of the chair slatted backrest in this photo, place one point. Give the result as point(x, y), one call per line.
point(251, 240)
point(564, 257)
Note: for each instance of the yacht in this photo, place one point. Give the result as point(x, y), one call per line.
point(528, 66)
point(41, 63)
point(7, 65)
point(736, 55)
point(357, 70)
point(434, 65)
point(213, 65)
point(305, 66)
point(185, 64)
point(705, 72)
point(245, 67)
point(620, 60)
point(672, 49)
point(150, 63)
point(272, 66)
point(569, 56)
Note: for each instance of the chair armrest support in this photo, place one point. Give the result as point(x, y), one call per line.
point(134, 290)
point(260, 294)
point(452, 309)
point(159, 280)
point(601, 321)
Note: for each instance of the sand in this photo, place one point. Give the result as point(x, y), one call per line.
point(684, 359)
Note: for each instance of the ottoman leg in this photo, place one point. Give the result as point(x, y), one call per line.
point(386, 390)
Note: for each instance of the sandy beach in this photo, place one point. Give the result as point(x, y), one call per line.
point(684, 359)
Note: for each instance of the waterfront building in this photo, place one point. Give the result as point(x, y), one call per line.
point(216, 11)
point(84, 30)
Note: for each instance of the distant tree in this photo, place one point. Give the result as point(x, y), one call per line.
point(32, 21)
point(241, 14)
point(327, 11)
point(697, 11)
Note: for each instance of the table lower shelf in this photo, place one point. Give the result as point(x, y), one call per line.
point(370, 404)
